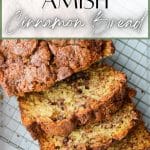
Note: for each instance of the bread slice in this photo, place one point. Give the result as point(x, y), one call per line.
point(35, 65)
point(96, 136)
point(139, 139)
point(86, 97)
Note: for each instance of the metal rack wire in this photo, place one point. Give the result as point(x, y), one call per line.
point(131, 57)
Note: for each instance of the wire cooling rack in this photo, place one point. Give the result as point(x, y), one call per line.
point(131, 57)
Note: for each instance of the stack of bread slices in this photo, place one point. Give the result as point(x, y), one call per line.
point(80, 104)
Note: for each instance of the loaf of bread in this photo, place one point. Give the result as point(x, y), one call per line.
point(96, 136)
point(87, 97)
point(35, 65)
point(65, 106)
point(139, 139)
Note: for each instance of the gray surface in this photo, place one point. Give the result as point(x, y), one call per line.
point(132, 57)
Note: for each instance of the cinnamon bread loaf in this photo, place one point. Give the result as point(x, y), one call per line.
point(35, 65)
point(90, 96)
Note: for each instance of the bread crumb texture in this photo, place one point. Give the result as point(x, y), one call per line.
point(95, 136)
point(89, 96)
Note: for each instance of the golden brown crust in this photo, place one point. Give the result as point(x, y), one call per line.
point(35, 65)
point(94, 111)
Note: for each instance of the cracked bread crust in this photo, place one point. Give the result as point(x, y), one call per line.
point(35, 65)
point(87, 97)
point(138, 139)
point(96, 136)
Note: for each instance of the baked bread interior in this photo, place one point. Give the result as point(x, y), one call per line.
point(138, 139)
point(95, 136)
point(87, 97)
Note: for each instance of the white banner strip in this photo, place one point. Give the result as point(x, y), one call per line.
point(74, 18)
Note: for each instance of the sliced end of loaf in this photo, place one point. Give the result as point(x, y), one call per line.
point(90, 96)
point(95, 136)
